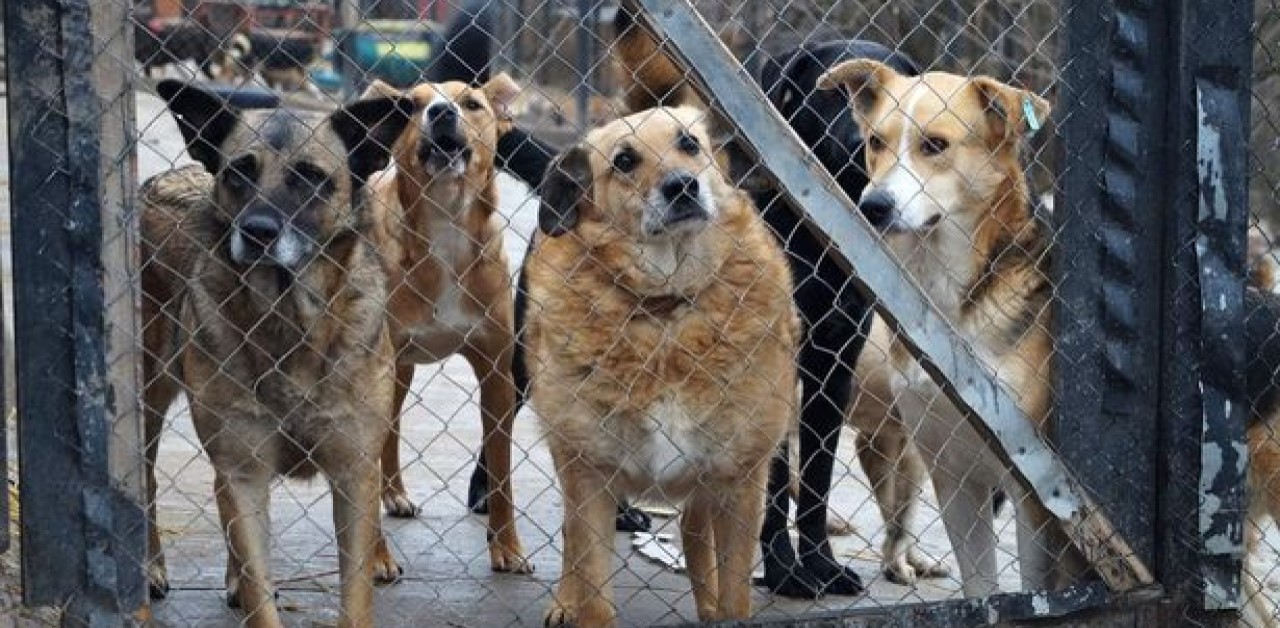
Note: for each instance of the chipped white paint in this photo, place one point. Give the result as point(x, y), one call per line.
point(1208, 151)
point(1040, 604)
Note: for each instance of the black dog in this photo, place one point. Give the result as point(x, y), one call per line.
point(836, 316)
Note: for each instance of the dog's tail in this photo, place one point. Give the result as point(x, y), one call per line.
point(465, 54)
point(650, 77)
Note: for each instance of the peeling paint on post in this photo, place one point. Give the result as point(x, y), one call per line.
point(1219, 247)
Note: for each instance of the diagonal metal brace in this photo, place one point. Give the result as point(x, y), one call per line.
point(930, 339)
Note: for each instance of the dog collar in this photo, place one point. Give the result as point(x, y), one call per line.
point(661, 306)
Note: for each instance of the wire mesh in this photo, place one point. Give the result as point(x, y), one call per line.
point(1259, 579)
point(543, 345)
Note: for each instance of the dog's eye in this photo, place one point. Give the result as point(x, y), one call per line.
point(688, 144)
point(472, 104)
point(934, 146)
point(875, 143)
point(626, 161)
point(307, 176)
point(240, 174)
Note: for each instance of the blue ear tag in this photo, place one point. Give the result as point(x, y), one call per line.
point(1030, 112)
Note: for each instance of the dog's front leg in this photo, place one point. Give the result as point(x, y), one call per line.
point(356, 520)
point(697, 535)
point(584, 597)
point(737, 524)
point(395, 499)
point(1047, 558)
point(243, 497)
point(970, 525)
point(959, 480)
point(492, 366)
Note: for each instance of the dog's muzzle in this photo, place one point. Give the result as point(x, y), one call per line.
point(881, 209)
point(443, 147)
point(263, 237)
point(682, 196)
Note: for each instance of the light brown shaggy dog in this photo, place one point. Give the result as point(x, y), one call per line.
point(662, 346)
point(440, 237)
point(263, 300)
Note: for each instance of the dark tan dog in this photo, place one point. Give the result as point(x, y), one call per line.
point(437, 228)
point(264, 301)
point(662, 345)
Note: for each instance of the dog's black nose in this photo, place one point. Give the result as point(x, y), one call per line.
point(877, 206)
point(260, 229)
point(679, 187)
point(441, 112)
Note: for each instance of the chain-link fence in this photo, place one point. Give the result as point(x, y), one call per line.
point(515, 312)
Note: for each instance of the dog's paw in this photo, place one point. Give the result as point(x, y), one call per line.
point(508, 559)
point(397, 504)
point(929, 569)
point(783, 575)
point(900, 572)
point(632, 519)
point(797, 583)
point(384, 568)
point(559, 616)
point(839, 526)
point(592, 614)
point(158, 580)
point(833, 577)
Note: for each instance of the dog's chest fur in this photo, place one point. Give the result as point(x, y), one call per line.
point(664, 393)
point(667, 446)
point(999, 304)
point(449, 263)
point(290, 356)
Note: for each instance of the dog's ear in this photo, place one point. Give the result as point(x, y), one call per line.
point(380, 89)
point(564, 188)
point(770, 77)
point(787, 93)
point(1012, 113)
point(502, 91)
point(204, 119)
point(863, 80)
point(369, 128)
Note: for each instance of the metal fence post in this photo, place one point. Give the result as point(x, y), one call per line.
point(71, 122)
point(1152, 87)
point(1110, 113)
point(1205, 217)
